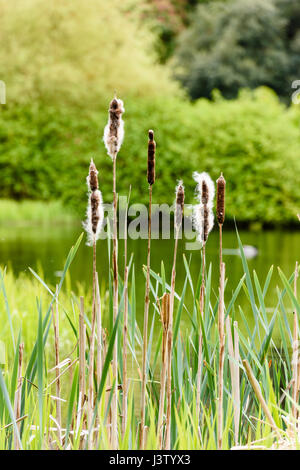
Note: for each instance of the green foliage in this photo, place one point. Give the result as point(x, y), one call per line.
point(79, 52)
point(45, 152)
point(241, 43)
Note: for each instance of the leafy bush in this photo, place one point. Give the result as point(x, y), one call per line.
point(254, 140)
point(79, 52)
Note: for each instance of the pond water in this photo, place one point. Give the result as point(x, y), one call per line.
point(48, 246)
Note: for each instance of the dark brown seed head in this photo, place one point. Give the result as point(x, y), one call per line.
point(151, 158)
point(204, 196)
point(95, 202)
point(221, 183)
point(205, 223)
point(179, 205)
point(93, 177)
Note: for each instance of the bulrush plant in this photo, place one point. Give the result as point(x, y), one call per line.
point(151, 181)
point(93, 226)
point(220, 211)
point(203, 221)
point(179, 206)
point(113, 138)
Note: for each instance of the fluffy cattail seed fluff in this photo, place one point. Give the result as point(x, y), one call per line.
point(179, 204)
point(151, 158)
point(114, 130)
point(203, 216)
point(206, 191)
point(221, 183)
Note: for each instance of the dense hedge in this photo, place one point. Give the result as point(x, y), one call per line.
point(45, 152)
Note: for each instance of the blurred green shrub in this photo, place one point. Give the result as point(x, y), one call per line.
point(45, 152)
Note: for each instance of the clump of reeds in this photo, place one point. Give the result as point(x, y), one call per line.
point(151, 180)
point(113, 138)
point(203, 222)
point(93, 226)
point(179, 206)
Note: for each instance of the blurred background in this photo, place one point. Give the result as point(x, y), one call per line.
point(212, 78)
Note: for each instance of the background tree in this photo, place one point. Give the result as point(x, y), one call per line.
point(241, 43)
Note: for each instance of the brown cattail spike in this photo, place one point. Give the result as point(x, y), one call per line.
point(204, 192)
point(93, 177)
point(95, 203)
point(205, 223)
point(179, 204)
point(151, 158)
point(221, 183)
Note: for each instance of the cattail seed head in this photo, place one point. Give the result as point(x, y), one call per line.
point(203, 218)
point(204, 195)
point(93, 177)
point(114, 130)
point(221, 184)
point(179, 204)
point(151, 158)
point(95, 214)
point(205, 188)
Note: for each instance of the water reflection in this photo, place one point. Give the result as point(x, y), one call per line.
point(48, 247)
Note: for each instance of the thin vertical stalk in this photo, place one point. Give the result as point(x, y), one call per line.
point(145, 331)
point(81, 353)
point(236, 384)
point(115, 314)
point(92, 353)
point(125, 330)
point(255, 385)
point(295, 352)
point(99, 332)
point(17, 402)
point(170, 344)
point(57, 371)
point(165, 315)
point(201, 308)
point(221, 354)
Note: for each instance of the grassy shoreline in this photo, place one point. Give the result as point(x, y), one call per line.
point(28, 212)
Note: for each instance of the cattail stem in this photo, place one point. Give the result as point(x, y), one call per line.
point(115, 313)
point(178, 222)
point(17, 402)
point(170, 346)
point(295, 359)
point(236, 384)
point(125, 329)
point(92, 353)
point(255, 385)
point(201, 308)
point(221, 318)
point(99, 332)
point(56, 339)
point(145, 331)
point(165, 315)
point(81, 352)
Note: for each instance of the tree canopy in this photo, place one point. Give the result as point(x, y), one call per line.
point(240, 43)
